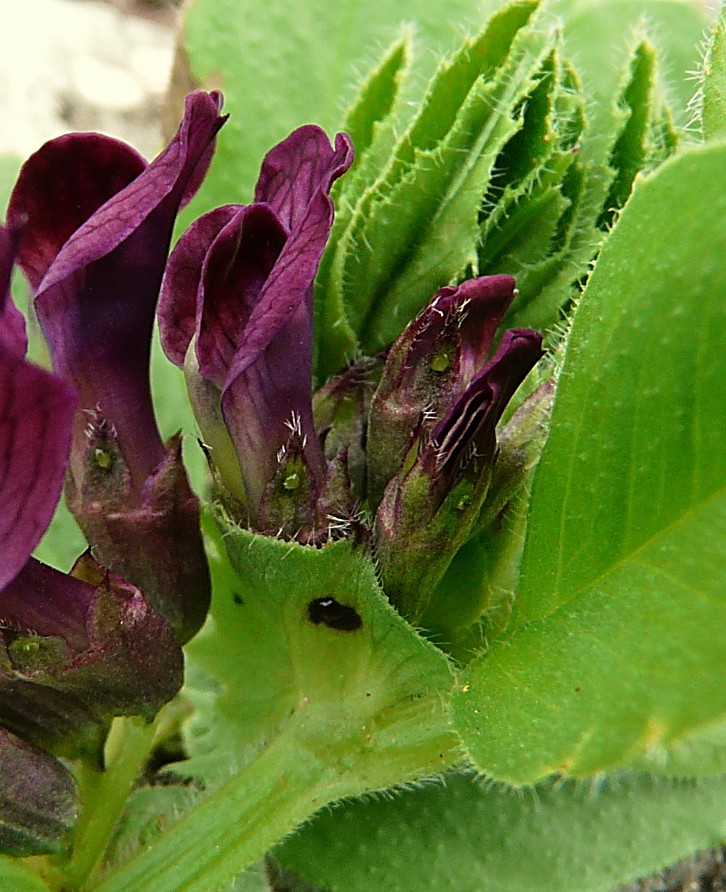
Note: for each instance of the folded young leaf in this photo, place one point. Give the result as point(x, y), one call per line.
point(645, 138)
point(293, 63)
point(713, 87)
point(371, 123)
point(416, 228)
point(535, 200)
point(613, 653)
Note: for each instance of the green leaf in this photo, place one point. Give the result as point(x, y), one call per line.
point(371, 122)
point(534, 227)
point(614, 653)
point(597, 35)
point(377, 97)
point(631, 150)
point(713, 109)
point(289, 63)
point(296, 709)
point(466, 836)
point(267, 657)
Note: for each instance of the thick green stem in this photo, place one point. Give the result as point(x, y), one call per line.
point(103, 794)
point(274, 793)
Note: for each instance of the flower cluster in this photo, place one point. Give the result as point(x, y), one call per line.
point(398, 450)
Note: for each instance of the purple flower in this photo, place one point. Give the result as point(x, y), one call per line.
point(73, 651)
point(433, 419)
point(236, 313)
point(96, 223)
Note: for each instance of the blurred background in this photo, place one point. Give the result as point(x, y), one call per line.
point(84, 65)
point(89, 65)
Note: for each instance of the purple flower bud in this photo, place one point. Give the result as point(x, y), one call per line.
point(96, 227)
point(76, 652)
point(236, 312)
point(435, 358)
point(430, 506)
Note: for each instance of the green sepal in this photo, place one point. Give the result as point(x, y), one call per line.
point(416, 540)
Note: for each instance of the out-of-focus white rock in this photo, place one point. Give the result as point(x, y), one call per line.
point(80, 65)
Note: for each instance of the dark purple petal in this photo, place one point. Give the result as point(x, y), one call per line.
point(460, 319)
point(470, 423)
point(36, 414)
point(268, 388)
point(97, 301)
point(180, 287)
point(267, 400)
point(299, 167)
point(12, 323)
point(60, 187)
point(38, 800)
point(234, 273)
point(74, 652)
point(290, 282)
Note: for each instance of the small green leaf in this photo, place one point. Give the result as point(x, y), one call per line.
point(633, 149)
point(466, 836)
point(713, 111)
point(614, 654)
point(371, 122)
point(377, 96)
point(597, 36)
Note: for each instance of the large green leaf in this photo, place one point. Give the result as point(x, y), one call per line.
point(616, 652)
point(468, 836)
